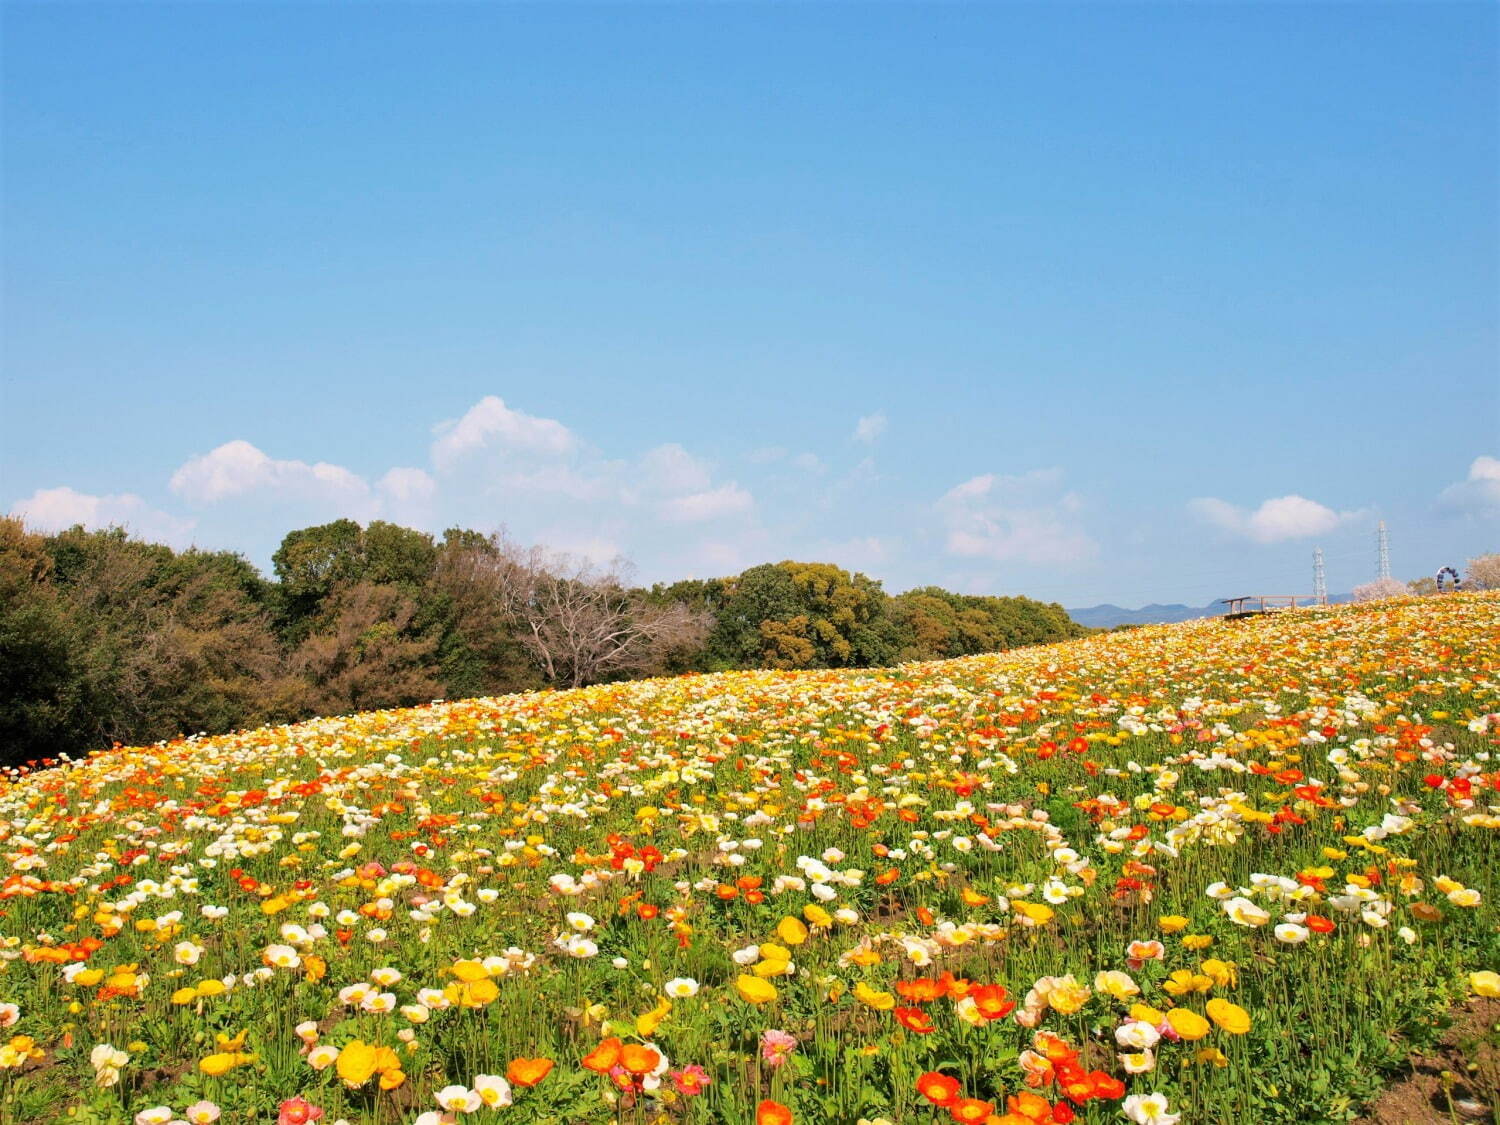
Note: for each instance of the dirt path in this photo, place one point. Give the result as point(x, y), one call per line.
point(1457, 1081)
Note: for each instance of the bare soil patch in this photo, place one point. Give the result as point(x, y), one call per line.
point(1456, 1081)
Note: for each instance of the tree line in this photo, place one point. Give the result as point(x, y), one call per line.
point(107, 639)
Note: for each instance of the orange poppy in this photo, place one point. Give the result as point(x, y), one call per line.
point(603, 1057)
point(638, 1059)
point(939, 1089)
point(527, 1072)
point(956, 987)
point(922, 990)
point(992, 1001)
point(971, 1111)
point(1053, 1047)
point(1031, 1106)
point(772, 1113)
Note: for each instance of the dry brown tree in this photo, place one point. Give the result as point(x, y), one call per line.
point(581, 622)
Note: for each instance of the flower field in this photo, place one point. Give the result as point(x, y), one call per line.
point(1216, 872)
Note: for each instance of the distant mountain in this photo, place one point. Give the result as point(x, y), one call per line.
point(1107, 616)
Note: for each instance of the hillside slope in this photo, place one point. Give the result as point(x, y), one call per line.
point(1169, 861)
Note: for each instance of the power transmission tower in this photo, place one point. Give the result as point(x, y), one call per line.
point(1384, 542)
point(1320, 581)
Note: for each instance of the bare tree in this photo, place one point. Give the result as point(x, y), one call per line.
point(1483, 573)
point(580, 622)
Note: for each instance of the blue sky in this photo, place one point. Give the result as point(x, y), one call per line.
point(1128, 303)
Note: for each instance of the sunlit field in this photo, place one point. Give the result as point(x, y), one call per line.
point(1227, 871)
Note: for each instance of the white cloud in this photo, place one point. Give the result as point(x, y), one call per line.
point(1275, 521)
point(870, 427)
point(597, 550)
point(1024, 518)
point(726, 500)
point(55, 509)
point(672, 469)
point(1479, 494)
point(490, 423)
point(407, 486)
point(588, 485)
point(862, 553)
point(719, 558)
point(406, 496)
point(237, 468)
point(802, 462)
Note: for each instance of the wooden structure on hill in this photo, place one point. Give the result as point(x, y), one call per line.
point(1249, 605)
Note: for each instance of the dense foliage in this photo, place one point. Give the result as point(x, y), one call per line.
point(107, 639)
point(1209, 872)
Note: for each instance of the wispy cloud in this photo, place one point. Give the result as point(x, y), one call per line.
point(870, 427)
point(1027, 518)
point(726, 500)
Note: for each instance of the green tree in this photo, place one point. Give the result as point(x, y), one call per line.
point(313, 562)
point(934, 623)
point(797, 615)
point(38, 637)
point(363, 655)
point(163, 643)
point(760, 594)
point(310, 563)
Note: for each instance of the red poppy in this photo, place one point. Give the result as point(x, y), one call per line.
point(915, 1020)
point(1106, 1085)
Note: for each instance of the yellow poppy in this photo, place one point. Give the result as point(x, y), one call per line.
point(1188, 1024)
point(754, 990)
point(1231, 1017)
point(791, 930)
point(880, 1001)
